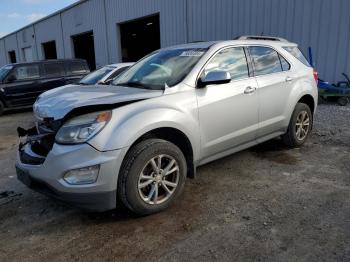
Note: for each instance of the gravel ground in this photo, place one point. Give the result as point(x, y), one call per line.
point(268, 203)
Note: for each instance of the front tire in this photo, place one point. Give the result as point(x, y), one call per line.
point(152, 176)
point(2, 108)
point(300, 126)
point(343, 101)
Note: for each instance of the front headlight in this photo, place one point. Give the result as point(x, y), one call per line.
point(82, 128)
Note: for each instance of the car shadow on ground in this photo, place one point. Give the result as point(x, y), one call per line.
point(273, 150)
point(274, 145)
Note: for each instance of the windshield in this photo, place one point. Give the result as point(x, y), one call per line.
point(94, 77)
point(4, 71)
point(166, 67)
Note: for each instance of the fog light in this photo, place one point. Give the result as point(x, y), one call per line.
point(82, 176)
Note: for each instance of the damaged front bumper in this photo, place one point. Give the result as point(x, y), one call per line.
point(41, 165)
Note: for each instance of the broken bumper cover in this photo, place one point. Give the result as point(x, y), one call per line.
point(46, 175)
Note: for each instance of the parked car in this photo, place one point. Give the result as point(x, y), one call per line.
point(22, 83)
point(105, 75)
point(181, 107)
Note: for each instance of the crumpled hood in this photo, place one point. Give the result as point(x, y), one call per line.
point(58, 102)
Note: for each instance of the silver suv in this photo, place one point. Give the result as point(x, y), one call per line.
point(178, 108)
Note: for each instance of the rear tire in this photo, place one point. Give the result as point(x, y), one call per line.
point(300, 126)
point(152, 176)
point(343, 101)
point(321, 99)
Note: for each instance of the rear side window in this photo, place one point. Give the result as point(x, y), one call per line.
point(54, 70)
point(294, 51)
point(77, 68)
point(284, 63)
point(26, 72)
point(232, 60)
point(265, 60)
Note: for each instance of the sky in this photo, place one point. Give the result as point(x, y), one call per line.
point(15, 14)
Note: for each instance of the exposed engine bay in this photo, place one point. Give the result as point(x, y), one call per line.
point(37, 142)
point(56, 107)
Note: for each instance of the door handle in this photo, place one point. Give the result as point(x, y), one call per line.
point(289, 79)
point(249, 90)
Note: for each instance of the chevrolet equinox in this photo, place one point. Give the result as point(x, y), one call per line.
point(178, 108)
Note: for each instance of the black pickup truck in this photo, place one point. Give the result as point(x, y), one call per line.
point(22, 83)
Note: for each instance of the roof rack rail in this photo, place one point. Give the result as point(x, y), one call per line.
point(261, 37)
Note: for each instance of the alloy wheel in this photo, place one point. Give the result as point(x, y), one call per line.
point(158, 179)
point(302, 125)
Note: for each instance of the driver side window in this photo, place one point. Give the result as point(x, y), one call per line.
point(232, 60)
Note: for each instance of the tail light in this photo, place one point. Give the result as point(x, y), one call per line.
point(316, 75)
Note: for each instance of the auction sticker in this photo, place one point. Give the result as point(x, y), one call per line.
point(192, 53)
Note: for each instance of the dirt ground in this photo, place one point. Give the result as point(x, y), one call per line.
point(268, 203)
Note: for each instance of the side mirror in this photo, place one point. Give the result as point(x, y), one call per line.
point(214, 78)
point(11, 79)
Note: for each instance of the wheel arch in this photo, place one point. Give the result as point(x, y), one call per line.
point(178, 138)
point(308, 100)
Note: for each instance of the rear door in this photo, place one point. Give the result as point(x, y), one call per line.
point(23, 85)
point(228, 113)
point(275, 79)
point(54, 75)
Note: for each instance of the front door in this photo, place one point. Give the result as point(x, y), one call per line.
point(228, 113)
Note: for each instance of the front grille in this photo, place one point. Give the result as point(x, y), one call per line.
point(43, 146)
point(30, 160)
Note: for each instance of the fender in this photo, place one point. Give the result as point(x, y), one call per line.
point(132, 121)
point(303, 87)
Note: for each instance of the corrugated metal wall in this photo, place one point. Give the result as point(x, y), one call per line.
point(44, 35)
point(2, 52)
point(26, 39)
point(172, 20)
point(88, 16)
point(11, 45)
point(322, 24)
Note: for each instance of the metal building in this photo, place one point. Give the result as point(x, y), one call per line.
point(108, 31)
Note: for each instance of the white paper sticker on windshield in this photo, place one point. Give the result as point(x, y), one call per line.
point(192, 53)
